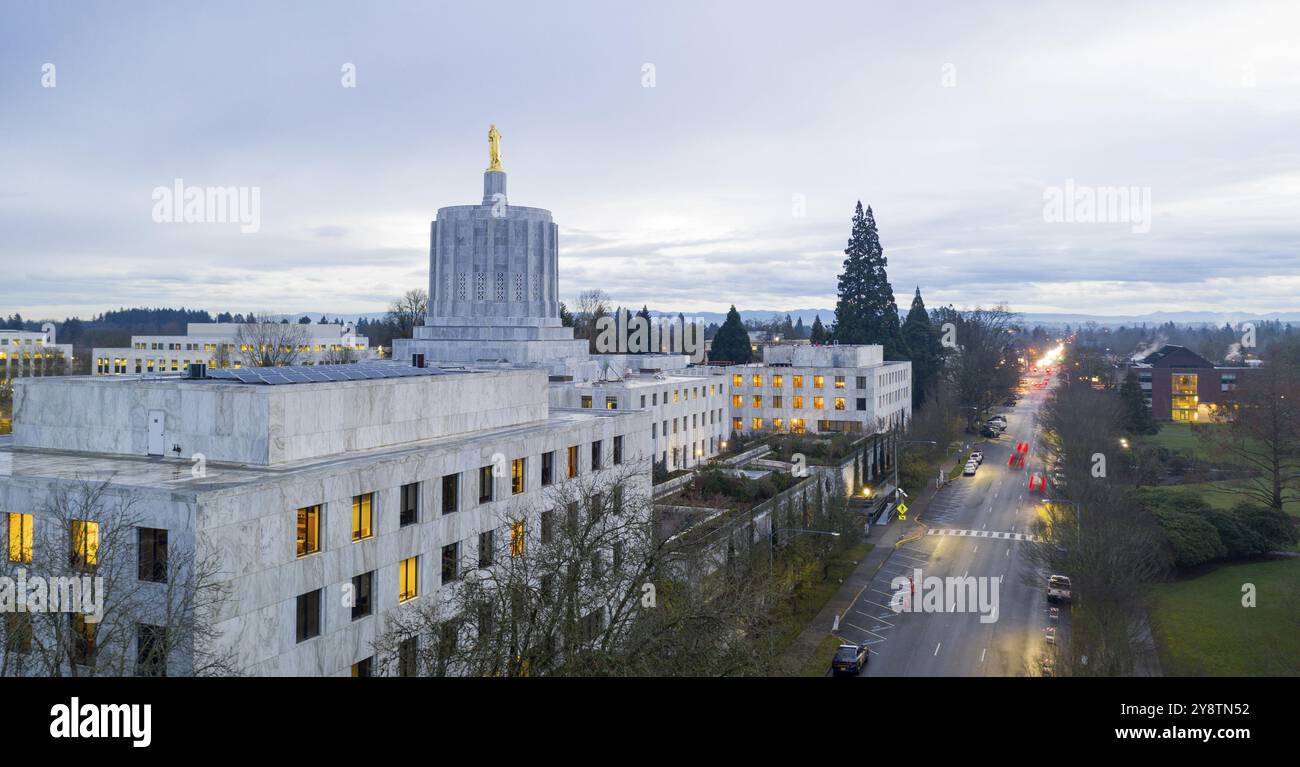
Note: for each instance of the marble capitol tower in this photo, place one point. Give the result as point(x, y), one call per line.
point(494, 285)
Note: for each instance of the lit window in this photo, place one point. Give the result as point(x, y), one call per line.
point(778, 424)
point(85, 544)
point(798, 401)
point(573, 462)
point(778, 381)
point(586, 401)
point(517, 538)
point(819, 382)
point(517, 476)
point(408, 579)
point(737, 424)
point(797, 425)
point(362, 526)
point(757, 380)
point(20, 537)
point(839, 403)
point(737, 400)
point(839, 382)
point(737, 380)
point(611, 403)
point(818, 403)
point(758, 424)
point(798, 382)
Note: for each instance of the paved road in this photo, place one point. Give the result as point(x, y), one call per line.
point(977, 527)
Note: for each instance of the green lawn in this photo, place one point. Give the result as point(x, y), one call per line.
point(818, 663)
point(811, 598)
point(1201, 629)
point(1178, 437)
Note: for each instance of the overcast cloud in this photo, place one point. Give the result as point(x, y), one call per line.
point(950, 119)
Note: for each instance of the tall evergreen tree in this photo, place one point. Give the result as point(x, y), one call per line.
point(819, 334)
point(731, 344)
point(923, 344)
point(1137, 416)
point(799, 330)
point(866, 312)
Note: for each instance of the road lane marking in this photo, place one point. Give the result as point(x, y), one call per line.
point(859, 628)
point(982, 654)
point(936, 649)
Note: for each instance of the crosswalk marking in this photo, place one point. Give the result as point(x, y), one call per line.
point(983, 534)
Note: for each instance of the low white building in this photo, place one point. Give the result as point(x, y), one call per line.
point(25, 353)
point(687, 406)
point(307, 494)
point(219, 345)
point(820, 389)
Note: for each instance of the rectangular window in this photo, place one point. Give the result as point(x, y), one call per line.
point(618, 450)
point(839, 403)
point(153, 554)
point(798, 402)
point(362, 589)
point(408, 657)
point(737, 424)
point(758, 424)
point(798, 426)
point(85, 544)
point(778, 401)
point(586, 401)
point(408, 579)
point(778, 424)
point(798, 382)
point(548, 526)
point(737, 400)
point(410, 508)
point(819, 382)
point(758, 401)
point(573, 462)
point(362, 518)
point(839, 382)
point(737, 380)
point(364, 667)
point(548, 468)
point(83, 639)
point(595, 455)
point(862, 382)
point(517, 538)
point(487, 541)
point(611, 403)
point(778, 381)
point(450, 493)
point(150, 650)
point(20, 537)
point(862, 403)
point(517, 468)
point(450, 562)
point(819, 403)
point(485, 484)
point(757, 380)
point(308, 530)
point(571, 516)
point(643, 401)
point(308, 615)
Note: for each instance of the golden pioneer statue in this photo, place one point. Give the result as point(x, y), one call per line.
point(494, 148)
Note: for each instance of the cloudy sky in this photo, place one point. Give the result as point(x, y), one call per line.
point(731, 180)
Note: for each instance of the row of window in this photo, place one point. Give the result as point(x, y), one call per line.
point(309, 517)
point(797, 425)
point(778, 381)
point(308, 605)
point(83, 545)
point(697, 420)
point(151, 642)
point(796, 402)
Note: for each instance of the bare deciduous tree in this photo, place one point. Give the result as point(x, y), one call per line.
point(85, 541)
point(408, 312)
point(590, 591)
point(264, 342)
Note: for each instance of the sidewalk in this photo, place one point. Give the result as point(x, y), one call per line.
point(886, 539)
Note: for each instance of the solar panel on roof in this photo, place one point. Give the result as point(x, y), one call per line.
point(290, 374)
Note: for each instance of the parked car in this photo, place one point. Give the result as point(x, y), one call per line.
point(1058, 588)
point(850, 659)
point(989, 432)
point(977, 456)
point(971, 468)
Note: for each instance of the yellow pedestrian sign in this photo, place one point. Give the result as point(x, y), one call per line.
point(902, 511)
